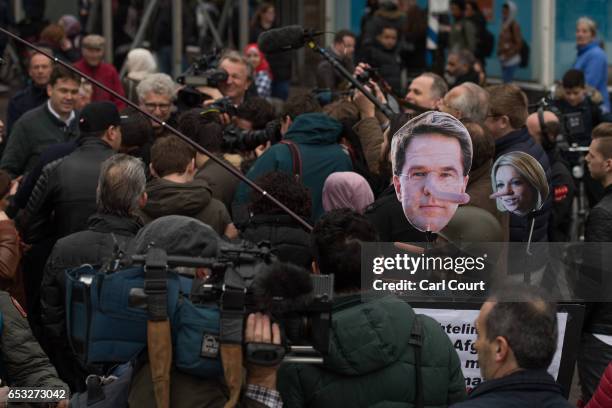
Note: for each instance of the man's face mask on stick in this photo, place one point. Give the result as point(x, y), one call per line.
point(431, 184)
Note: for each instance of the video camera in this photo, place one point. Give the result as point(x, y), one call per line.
point(204, 72)
point(244, 279)
point(236, 139)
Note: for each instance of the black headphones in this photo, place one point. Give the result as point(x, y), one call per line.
point(543, 126)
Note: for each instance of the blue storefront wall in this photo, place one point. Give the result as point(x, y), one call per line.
point(526, 11)
point(567, 13)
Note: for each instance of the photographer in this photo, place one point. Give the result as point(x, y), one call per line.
point(239, 77)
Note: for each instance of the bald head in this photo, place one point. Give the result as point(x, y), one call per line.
point(534, 127)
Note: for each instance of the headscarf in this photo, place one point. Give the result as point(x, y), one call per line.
point(71, 25)
point(512, 10)
point(139, 63)
point(347, 189)
point(263, 62)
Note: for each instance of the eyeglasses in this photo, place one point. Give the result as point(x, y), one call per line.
point(445, 179)
point(161, 106)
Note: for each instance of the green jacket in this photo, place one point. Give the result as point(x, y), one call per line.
point(316, 136)
point(31, 135)
point(370, 362)
point(24, 362)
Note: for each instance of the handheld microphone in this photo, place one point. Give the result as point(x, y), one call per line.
point(284, 39)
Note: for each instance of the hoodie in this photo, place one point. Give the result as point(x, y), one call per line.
point(191, 199)
point(316, 136)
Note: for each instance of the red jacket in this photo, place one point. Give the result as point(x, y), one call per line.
point(106, 74)
point(602, 398)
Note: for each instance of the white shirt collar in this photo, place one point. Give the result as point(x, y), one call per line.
point(54, 113)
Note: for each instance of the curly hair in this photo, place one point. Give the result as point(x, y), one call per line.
point(285, 189)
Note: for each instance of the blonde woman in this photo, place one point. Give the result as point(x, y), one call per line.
point(519, 183)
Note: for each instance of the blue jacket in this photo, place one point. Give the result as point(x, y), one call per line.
point(593, 61)
point(523, 389)
point(316, 136)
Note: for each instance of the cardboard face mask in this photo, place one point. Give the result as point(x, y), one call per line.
point(519, 183)
point(432, 183)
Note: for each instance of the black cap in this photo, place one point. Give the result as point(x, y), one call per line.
point(99, 116)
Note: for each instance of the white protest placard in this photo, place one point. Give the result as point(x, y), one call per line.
point(460, 328)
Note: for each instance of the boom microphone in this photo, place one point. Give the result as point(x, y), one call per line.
point(284, 39)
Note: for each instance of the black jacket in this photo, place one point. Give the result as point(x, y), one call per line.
point(65, 193)
point(387, 63)
point(523, 389)
point(327, 76)
point(598, 317)
point(470, 76)
point(27, 99)
point(289, 241)
point(93, 246)
point(563, 192)
point(387, 216)
point(520, 140)
point(578, 121)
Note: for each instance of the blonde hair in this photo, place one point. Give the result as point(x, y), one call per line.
point(529, 168)
point(591, 25)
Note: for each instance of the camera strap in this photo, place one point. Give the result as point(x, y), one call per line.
point(159, 339)
point(416, 340)
point(233, 301)
point(296, 159)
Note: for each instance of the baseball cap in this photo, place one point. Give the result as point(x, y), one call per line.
point(99, 116)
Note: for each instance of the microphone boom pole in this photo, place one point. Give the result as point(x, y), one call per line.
point(310, 43)
point(169, 128)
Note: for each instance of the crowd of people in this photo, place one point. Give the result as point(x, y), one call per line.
point(83, 176)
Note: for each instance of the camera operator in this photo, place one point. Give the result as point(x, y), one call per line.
point(371, 349)
point(156, 93)
point(184, 236)
point(239, 77)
